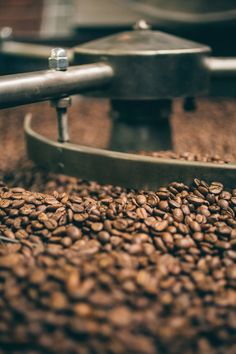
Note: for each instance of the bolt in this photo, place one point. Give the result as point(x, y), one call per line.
point(141, 25)
point(58, 59)
point(5, 33)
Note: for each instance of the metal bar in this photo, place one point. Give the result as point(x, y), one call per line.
point(28, 50)
point(221, 67)
point(128, 170)
point(44, 85)
point(63, 131)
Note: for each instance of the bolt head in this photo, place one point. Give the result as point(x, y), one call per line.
point(58, 59)
point(5, 33)
point(141, 25)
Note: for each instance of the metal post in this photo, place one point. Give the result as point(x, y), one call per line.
point(59, 61)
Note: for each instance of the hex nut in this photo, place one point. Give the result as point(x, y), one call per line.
point(58, 59)
point(63, 102)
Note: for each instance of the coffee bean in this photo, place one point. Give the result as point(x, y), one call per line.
point(196, 200)
point(216, 188)
point(78, 218)
point(195, 226)
point(106, 269)
point(163, 205)
point(120, 317)
point(37, 276)
point(103, 237)
point(83, 310)
point(160, 226)
point(4, 203)
point(198, 236)
point(97, 226)
point(185, 243)
point(178, 215)
point(66, 241)
point(224, 230)
point(50, 224)
point(141, 213)
point(120, 224)
point(141, 199)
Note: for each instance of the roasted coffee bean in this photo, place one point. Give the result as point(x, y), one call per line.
point(196, 200)
point(178, 214)
point(97, 226)
point(194, 225)
point(103, 237)
point(160, 226)
point(108, 270)
point(216, 188)
point(120, 224)
point(141, 199)
point(4, 203)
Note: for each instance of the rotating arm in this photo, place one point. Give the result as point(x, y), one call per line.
point(28, 50)
point(32, 87)
point(221, 67)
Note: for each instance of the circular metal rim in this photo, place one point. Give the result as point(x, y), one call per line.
point(123, 169)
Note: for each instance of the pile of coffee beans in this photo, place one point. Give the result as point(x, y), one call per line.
point(86, 268)
point(186, 156)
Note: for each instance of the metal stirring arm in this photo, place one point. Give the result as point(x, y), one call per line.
point(221, 67)
point(45, 85)
point(24, 50)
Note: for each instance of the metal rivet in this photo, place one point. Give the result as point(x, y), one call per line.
point(141, 25)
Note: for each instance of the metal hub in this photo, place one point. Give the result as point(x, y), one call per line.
point(149, 67)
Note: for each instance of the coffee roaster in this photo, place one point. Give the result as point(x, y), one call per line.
point(141, 72)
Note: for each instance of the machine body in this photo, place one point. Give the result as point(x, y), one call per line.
point(141, 72)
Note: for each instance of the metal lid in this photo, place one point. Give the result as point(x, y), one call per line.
point(149, 64)
point(141, 42)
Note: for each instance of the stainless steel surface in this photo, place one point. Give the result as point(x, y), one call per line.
point(149, 65)
point(122, 169)
point(221, 67)
point(44, 85)
point(191, 11)
point(196, 6)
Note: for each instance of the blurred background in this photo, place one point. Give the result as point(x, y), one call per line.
point(205, 20)
point(68, 23)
